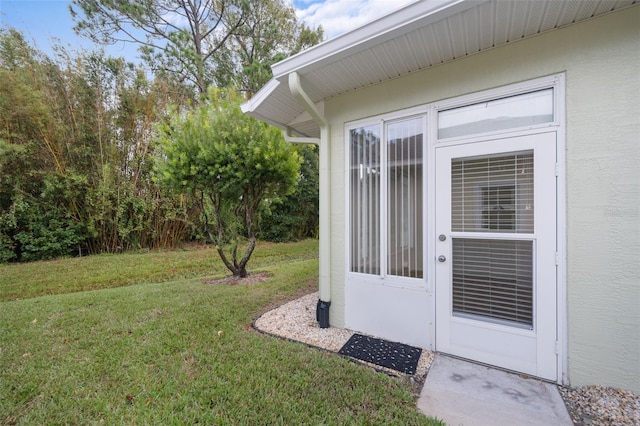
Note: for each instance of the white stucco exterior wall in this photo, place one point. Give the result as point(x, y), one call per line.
point(601, 59)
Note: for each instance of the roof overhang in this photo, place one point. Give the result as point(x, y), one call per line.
point(418, 36)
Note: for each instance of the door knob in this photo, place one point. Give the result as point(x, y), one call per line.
point(441, 258)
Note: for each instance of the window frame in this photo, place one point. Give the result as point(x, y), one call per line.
point(429, 112)
point(384, 121)
point(360, 171)
point(553, 82)
point(443, 108)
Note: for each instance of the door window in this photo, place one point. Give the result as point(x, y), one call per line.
point(493, 193)
point(493, 281)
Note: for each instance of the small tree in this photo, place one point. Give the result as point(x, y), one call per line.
point(230, 162)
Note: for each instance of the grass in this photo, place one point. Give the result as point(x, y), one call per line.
point(27, 280)
point(173, 350)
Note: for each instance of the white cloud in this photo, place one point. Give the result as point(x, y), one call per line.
point(339, 16)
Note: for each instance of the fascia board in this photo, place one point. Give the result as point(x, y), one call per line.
point(262, 95)
point(402, 21)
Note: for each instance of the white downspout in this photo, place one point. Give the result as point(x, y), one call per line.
point(294, 139)
point(325, 189)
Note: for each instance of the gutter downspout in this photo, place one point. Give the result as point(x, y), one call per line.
point(288, 136)
point(322, 312)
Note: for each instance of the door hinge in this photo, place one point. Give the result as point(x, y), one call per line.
point(557, 348)
point(557, 258)
point(557, 169)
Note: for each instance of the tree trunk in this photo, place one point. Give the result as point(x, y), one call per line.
point(242, 266)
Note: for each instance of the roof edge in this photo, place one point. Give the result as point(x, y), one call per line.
point(387, 26)
point(261, 96)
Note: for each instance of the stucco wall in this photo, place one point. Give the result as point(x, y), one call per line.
point(601, 58)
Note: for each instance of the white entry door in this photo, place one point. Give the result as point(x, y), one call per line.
point(496, 285)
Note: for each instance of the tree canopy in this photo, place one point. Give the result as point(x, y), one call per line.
point(201, 42)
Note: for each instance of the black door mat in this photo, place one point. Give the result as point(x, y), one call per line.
point(397, 356)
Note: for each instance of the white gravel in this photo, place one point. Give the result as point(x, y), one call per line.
point(599, 406)
point(296, 320)
point(590, 405)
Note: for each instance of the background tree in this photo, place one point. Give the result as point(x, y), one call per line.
point(270, 34)
point(200, 42)
point(75, 150)
point(231, 163)
point(175, 36)
point(34, 220)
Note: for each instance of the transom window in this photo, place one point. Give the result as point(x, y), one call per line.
point(510, 112)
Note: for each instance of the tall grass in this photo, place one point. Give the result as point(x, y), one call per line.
point(176, 352)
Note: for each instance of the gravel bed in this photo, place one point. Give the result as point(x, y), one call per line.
point(296, 320)
point(589, 405)
point(599, 405)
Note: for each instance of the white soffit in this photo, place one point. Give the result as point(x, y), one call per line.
point(418, 36)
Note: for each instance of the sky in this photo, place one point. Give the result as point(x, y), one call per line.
point(45, 21)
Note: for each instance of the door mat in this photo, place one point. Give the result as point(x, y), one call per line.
point(397, 356)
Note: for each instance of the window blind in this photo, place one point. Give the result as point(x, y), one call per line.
point(365, 199)
point(404, 199)
point(493, 193)
point(493, 280)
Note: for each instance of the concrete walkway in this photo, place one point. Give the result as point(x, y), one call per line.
point(463, 393)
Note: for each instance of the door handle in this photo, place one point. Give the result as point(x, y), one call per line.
point(441, 258)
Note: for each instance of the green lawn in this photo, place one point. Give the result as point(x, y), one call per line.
point(161, 347)
point(22, 281)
